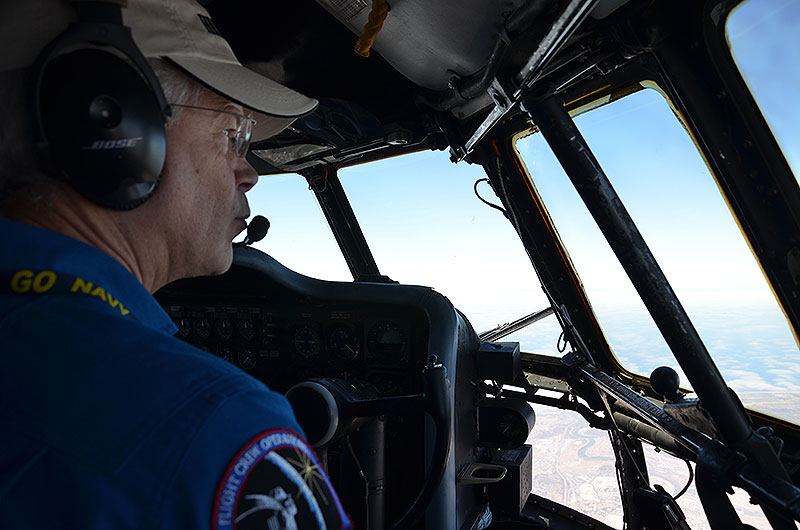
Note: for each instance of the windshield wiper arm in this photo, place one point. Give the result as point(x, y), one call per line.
point(510, 327)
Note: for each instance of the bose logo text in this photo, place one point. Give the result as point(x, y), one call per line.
point(122, 143)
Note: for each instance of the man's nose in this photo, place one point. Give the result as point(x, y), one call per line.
point(246, 176)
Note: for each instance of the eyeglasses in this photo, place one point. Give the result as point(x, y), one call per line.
point(240, 136)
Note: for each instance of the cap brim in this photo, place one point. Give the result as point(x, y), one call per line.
point(248, 88)
point(268, 126)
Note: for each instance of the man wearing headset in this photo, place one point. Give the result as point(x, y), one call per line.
point(122, 169)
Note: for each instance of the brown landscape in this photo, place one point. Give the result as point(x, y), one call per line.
point(574, 465)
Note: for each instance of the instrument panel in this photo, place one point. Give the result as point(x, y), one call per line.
point(284, 328)
point(290, 340)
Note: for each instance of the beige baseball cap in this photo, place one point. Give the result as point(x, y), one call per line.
point(179, 30)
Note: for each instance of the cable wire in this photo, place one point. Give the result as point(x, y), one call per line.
point(561, 343)
point(689, 483)
point(363, 476)
point(484, 201)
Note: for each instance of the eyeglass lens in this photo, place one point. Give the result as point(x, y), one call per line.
point(238, 137)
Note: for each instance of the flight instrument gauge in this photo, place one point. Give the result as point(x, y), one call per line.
point(226, 355)
point(307, 343)
point(344, 343)
point(202, 329)
point(387, 342)
point(184, 328)
point(223, 330)
point(247, 331)
point(247, 359)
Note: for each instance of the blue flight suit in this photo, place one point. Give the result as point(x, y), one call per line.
point(108, 421)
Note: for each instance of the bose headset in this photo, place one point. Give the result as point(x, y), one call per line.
point(100, 111)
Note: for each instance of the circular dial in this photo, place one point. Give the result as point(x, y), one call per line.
point(247, 331)
point(343, 342)
point(247, 359)
point(184, 328)
point(510, 427)
point(223, 330)
point(226, 354)
point(202, 329)
point(387, 341)
point(307, 342)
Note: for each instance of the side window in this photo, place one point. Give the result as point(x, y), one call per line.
point(299, 236)
point(762, 35)
point(669, 192)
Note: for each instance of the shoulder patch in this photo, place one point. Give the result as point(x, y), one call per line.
point(276, 482)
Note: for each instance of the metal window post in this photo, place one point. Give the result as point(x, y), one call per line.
point(730, 416)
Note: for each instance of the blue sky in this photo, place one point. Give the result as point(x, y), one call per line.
point(763, 35)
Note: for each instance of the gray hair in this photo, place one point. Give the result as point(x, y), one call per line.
point(177, 86)
point(26, 178)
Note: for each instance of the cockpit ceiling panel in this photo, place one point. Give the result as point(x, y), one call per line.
point(430, 42)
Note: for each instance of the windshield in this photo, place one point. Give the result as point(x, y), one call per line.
point(426, 226)
point(299, 236)
point(668, 190)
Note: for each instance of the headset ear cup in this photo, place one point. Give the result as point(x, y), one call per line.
point(104, 127)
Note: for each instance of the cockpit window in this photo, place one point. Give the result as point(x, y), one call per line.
point(669, 192)
point(425, 226)
point(299, 236)
point(762, 35)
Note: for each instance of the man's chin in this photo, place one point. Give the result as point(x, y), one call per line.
point(224, 264)
point(221, 263)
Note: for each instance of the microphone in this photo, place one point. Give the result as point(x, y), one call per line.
point(256, 231)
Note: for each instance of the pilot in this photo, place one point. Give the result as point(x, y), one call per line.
point(123, 133)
